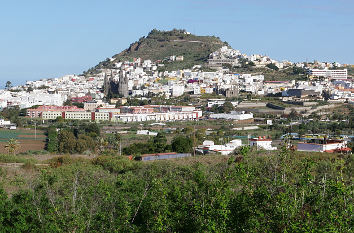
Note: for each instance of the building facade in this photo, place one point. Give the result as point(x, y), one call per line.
point(335, 74)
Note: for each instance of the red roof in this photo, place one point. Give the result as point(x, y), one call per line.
point(262, 139)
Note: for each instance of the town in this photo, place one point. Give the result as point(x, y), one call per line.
point(138, 91)
point(176, 116)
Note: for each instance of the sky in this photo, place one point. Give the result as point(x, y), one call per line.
point(51, 38)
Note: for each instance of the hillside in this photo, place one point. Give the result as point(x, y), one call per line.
point(161, 44)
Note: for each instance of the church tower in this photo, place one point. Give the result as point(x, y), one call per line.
point(106, 85)
point(123, 85)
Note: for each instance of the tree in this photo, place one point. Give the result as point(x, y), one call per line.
point(79, 105)
point(11, 113)
point(81, 145)
point(66, 142)
point(200, 135)
point(272, 66)
point(243, 150)
point(227, 107)
point(59, 119)
point(92, 129)
point(182, 144)
point(12, 146)
point(8, 85)
point(160, 142)
point(214, 108)
point(118, 138)
point(251, 63)
point(68, 102)
point(188, 130)
point(299, 70)
point(114, 141)
point(52, 143)
point(89, 141)
point(293, 114)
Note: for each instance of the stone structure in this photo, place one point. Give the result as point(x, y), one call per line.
point(123, 85)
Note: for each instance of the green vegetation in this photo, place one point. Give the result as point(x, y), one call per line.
point(12, 146)
point(8, 85)
point(77, 139)
point(14, 159)
point(12, 114)
point(250, 192)
point(182, 144)
point(52, 141)
point(272, 66)
point(161, 44)
point(158, 144)
point(227, 107)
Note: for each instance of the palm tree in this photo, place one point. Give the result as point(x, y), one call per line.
point(12, 146)
point(8, 85)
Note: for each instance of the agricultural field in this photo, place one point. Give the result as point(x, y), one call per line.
point(28, 139)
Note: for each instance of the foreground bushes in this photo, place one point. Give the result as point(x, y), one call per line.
point(254, 194)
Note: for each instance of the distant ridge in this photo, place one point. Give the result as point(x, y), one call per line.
point(158, 45)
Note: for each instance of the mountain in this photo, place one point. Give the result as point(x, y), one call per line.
point(158, 45)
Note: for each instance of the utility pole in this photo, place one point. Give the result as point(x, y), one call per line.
point(120, 146)
point(35, 130)
point(194, 140)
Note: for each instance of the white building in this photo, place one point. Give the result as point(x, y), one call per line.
point(218, 102)
point(92, 105)
point(321, 145)
point(336, 74)
point(226, 149)
point(233, 116)
point(177, 90)
point(168, 116)
point(4, 123)
point(262, 143)
point(50, 115)
point(146, 132)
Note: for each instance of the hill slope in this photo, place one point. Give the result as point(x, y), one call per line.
point(161, 44)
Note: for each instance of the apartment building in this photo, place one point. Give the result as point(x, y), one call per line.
point(37, 112)
point(335, 74)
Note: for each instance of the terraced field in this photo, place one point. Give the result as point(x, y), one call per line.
point(27, 138)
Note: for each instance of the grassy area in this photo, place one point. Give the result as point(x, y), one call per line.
point(21, 134)
point(16, 159)
point(161, 44)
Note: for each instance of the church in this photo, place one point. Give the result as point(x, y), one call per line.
point(114, 87)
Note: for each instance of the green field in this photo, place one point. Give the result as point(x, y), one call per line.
point(21, 134)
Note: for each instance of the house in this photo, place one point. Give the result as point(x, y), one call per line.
point(37, 112)
point(262, 143)
point(146, 132)
point(226, 149)
point(301, 93)
point(240, 116)
point(92, 105)
point(218, 102)
point(4, 123)
point(335, 74)
point(323, 145)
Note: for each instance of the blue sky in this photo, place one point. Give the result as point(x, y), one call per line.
point(51, 38)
